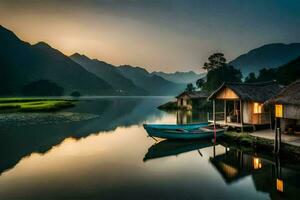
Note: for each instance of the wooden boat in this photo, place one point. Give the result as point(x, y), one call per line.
point(185, 132)
point(175, 126)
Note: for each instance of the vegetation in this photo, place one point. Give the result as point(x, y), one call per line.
point(190, 87)
point(285, 74)
point(34, 104)
point(42, 88)
point(200, 83)
point(217, 76)
point(218, 71)
point(214, 61)
point(247, 143)
point(75, 94)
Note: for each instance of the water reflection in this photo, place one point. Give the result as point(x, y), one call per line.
point(111, 157)
point(268, 175)
point(190, 116)
point(18, 141)
point(174, 147)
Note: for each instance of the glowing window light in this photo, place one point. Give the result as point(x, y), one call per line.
point(278, 110)
point(279, 185)
point(257, 163)
point(257, 108)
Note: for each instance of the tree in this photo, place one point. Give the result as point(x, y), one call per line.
point(217, 76)
point(42, 88)
point(267, 75)
point(251, 78)
point(75, 94)
point(190, 87)
point(200, 83)
point(214, 61)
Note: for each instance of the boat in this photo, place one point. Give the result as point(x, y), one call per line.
point(186, 132)
point(167, 148)
point(175, 126)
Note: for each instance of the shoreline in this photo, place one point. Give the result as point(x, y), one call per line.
point(254, 144)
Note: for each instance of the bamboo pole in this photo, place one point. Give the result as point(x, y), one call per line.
point(241, 115)
point(214, 120)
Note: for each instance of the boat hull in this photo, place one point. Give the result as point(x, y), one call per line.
point(175, 126)
point(188, 135)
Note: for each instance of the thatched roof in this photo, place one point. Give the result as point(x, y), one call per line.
point(194, 94)
point(289, 95)
point(259, 92)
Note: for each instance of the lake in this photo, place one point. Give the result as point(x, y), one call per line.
point(100, 150)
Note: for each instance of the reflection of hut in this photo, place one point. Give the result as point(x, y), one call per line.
point(191, 100)
point(287, 104)
point(244, 103)
point(233, 165)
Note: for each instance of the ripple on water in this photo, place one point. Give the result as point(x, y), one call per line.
point(21, 119)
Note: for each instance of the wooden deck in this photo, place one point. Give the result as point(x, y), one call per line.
point(232, 124)
point(270, 134)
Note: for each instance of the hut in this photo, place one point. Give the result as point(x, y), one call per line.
point(191, 99)
point(287, 108)
point(243, 104)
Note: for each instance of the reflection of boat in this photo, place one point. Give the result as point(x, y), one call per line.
point(174, 147)
point(188, 131)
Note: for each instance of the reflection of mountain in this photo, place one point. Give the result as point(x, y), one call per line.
point(21, 141)
point(173, 147)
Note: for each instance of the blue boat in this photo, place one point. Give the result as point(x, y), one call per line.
point(175, 126)
point(186, 132)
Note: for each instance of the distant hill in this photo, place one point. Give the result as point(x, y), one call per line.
point(180, 77)
point(22, 64)
point(267, 56)
point(109, 73)
point(154, 84)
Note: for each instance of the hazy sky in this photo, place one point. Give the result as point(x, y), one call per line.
point(167, 35)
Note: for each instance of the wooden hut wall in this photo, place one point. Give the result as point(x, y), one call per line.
point(227, 93)
point(291, 112)
point(247, 112)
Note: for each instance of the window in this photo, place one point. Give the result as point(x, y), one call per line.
point(278, 110)
point(257, 108)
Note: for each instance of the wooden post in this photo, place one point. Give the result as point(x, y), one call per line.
point(241, 115)
point(214, 119)
point(279, 140)
point(214, 111)
point(275, 139)
point(225, 117)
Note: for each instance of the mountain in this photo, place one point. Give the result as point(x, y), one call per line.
point(267, 56)
point(180, 77)
point(22, 63)
point(109, 73)
point(154, 84)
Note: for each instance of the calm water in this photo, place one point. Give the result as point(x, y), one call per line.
point(99, 150)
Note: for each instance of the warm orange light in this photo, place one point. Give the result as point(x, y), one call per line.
point(257, 163)
point(257, 108)
point(279, 185)
point(278, 110)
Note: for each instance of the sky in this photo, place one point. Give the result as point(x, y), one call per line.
point(159, 35)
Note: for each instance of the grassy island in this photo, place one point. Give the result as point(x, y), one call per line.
point(34, 104)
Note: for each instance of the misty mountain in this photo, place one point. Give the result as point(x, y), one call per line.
point(267, 56)
point(180, 77)
point(154, 84)
point(109, 73)
point(22, 63)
